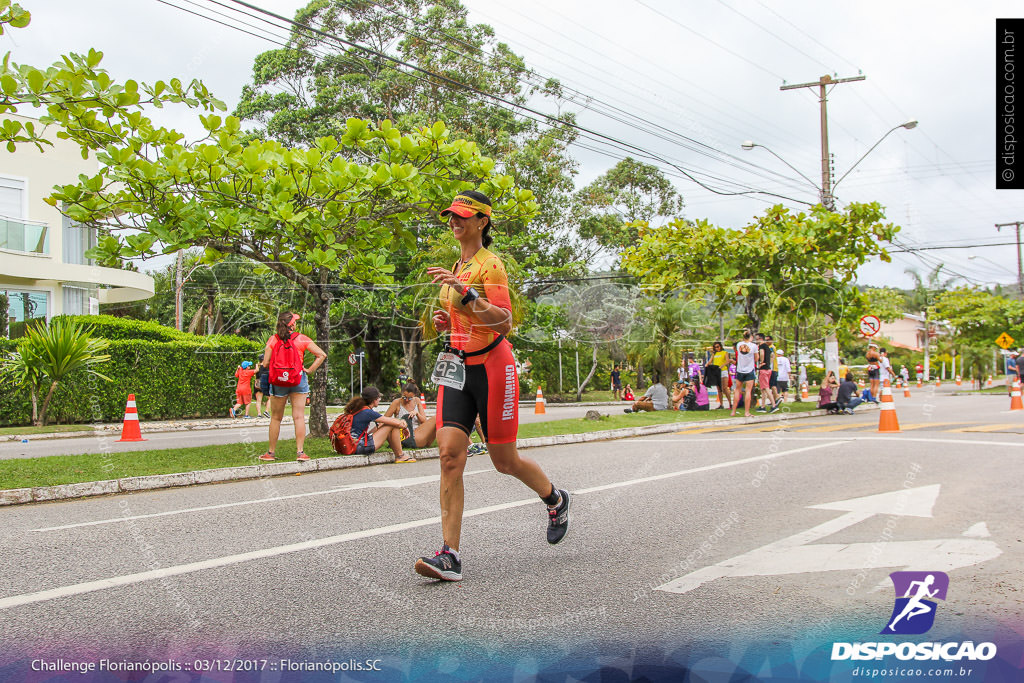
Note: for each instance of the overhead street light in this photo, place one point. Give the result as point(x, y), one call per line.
point(749, 145)
point(909, 125)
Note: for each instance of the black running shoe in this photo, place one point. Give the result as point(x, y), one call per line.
point(442, 565)
point(558, 523)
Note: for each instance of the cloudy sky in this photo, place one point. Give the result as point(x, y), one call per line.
point(700, 78)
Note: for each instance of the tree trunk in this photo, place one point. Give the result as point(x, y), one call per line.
point(417, 364)
point(46, 404)
point(640, 374)
point(318, 389)
point(590, 375)
point(373, 362)
point(35, 406)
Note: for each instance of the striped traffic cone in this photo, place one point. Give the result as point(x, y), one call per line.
point(906, 390)
point(958, 380)
point(538, 408)
point(130, 428)
point(990, 380)
point(938, 382)
point(423, 400)
point(803, 390)
point(920, 382)
point(1015, 402)
point(887, 421)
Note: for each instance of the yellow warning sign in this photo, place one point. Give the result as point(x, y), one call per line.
point(1004, 340)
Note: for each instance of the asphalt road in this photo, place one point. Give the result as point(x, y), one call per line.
point(708, 550)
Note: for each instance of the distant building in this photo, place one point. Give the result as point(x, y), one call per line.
point(43, 268)
point(908, 332)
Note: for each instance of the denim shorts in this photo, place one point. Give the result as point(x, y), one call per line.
point(301, 388)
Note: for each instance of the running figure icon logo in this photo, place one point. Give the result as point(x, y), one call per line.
point(914, 611)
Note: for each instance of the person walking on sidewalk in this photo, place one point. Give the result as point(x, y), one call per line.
point(243, 392)
point(262, 386)
point(477, 376)
point(289, 380)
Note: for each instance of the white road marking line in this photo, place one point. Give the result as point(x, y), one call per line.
point(379, 484)
point(177, 570)
point(789, 436)
point(705, 468)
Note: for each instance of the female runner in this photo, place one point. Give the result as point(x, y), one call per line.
point(477, 315)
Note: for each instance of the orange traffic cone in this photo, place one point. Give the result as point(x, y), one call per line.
point(423, 400)
point(938, 382)
point(538, 408)
point(887, 421)
point(958, 380)
point(990, 380)
point(803, 390)
point(920, 382)
point(1015, 402)
point(906, 390)
point(130, 429)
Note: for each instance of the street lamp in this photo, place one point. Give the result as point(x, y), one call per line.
point(827, 199)
point(909, 125)
point(749, 145)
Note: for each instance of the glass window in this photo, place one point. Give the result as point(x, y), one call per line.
point(12, 198)
point(77, 240)
point(24, 307)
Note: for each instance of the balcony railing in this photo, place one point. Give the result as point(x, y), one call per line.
point(32, 237)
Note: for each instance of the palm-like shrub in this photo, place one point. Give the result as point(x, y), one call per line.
point(48, 354)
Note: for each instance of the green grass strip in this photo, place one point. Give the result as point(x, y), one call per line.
point(72, 469)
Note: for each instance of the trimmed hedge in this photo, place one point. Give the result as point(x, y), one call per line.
point(188, 376)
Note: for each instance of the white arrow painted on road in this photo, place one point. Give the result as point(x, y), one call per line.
point(794, 555)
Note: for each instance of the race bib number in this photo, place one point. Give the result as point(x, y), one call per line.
point(449, 371)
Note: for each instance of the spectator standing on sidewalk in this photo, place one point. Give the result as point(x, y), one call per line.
point(283, 355)
point(905, 375)
point(746, 373)
point(616, 383)
point(874, 359)
point(243, 391)
point(784, 369)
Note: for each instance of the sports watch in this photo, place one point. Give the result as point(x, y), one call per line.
point(471, 295)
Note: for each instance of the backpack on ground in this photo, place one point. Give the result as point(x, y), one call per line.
point(286, 363)
point(341, 435)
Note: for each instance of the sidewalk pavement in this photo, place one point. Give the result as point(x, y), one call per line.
point(217, 423)
point(159, 481)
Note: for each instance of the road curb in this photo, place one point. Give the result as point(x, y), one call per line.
point(41, 494)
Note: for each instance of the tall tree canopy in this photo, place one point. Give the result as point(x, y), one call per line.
point(795, 261)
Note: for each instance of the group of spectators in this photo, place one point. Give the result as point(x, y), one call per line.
point(729, 375)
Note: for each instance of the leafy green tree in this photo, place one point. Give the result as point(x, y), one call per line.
point(48, 354)
point(610, 209)
point(336, 209)
point(661, 325)
point(801, 262)
point(466, 79)
point(979, 317)
point(78, 95)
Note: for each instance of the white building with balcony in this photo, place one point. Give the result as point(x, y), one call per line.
point(43, 268)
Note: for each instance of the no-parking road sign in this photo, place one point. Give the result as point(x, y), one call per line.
point(870, 325)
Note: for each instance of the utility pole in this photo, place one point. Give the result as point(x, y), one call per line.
point(177, 293)
point(826, 163)
point(1020, 269)
point(827, 200)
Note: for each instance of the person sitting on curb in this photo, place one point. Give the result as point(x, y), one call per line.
point(408, 408)
point(656, 398)
point(846, 397)
point(627, 394)
point(388, 429)
point(827, 394)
